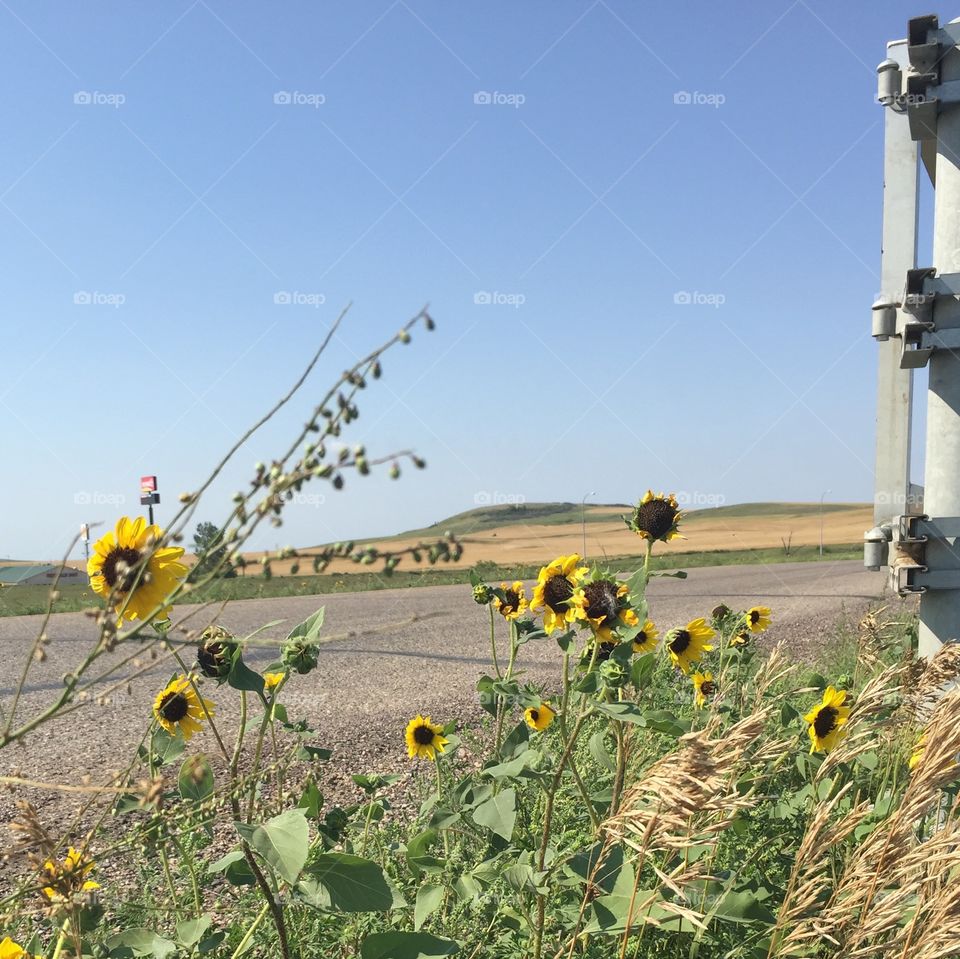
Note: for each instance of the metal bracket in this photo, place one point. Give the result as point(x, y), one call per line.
point(909, 572)
point(920, 336)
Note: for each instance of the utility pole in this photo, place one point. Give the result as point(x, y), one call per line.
point(923, 325)
point(583, 521)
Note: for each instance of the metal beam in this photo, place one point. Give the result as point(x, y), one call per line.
point(899, 254)
point(940, 609)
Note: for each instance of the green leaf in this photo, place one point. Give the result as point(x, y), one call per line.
point(429, 900)
point(311, 802)
point(663, 721)
point(241, 676)
point(513, 768)
point(641, 672)
point(418, 854)
point(343, 883)
point(196, 778)
point(516, 742)
point(235, 868)
point(281, 841)
point(372, 784)
point(600, 752)
point(315, 753)
point(139, 942)
point(190, 931)
point(309, 630)
point(406, 945)
point(625, 712)
point(498, 813)
point(166, 748)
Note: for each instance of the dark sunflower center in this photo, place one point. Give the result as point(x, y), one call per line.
point(174, 707)
point(511, 600)
point(603, 653)
point(825, 722)
point(534, 714)
point(680, 641)
point(120, 568)
point(557, 592)
point(754, 617)
point(655, 517)
point(210, 655)
point(601, 601)
point(640, 638)
point(708, 688)
point(423, 735)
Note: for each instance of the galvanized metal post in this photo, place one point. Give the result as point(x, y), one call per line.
point(940, 608)
point(898, 254)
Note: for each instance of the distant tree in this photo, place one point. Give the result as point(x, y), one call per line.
point(211, 553)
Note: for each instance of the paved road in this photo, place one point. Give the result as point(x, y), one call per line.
point(401, 652)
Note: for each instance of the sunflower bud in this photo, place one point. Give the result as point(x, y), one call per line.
point(215, 652)
point(299, 656)
point(613, 674)
point(482, 594)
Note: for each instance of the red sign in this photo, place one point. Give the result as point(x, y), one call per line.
point(148, 484)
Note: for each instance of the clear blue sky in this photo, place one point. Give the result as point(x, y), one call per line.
point(182, 199)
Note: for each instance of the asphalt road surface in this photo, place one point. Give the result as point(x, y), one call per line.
point(399, 652)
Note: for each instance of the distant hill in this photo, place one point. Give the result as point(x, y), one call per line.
point(484, 518)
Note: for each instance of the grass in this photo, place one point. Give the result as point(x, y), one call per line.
point(484, 518)
point(25, 600)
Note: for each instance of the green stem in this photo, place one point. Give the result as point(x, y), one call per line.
point(446, 841)
point(493, 641)
point(249, 933)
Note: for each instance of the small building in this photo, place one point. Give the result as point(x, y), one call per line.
point(40, 575)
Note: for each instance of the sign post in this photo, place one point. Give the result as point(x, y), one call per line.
point(148, 494)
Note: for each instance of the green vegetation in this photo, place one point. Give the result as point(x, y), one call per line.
point(25, 600)
point(658, 800)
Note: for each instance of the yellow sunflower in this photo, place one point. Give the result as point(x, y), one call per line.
point(827, 720)
point(703, 687)
point(67, 878)
point(424, 738)
point(758, 618)
point(656, 517)
point(741, 639)
point(918, 751)
point(688, 644)
point(514, 602)
point(603, 603)
point(10, 950)
point(272, 680)
point(117, 571)
point(646, 639)
point(539, 717)
point(179, 707)
point(555, 592)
